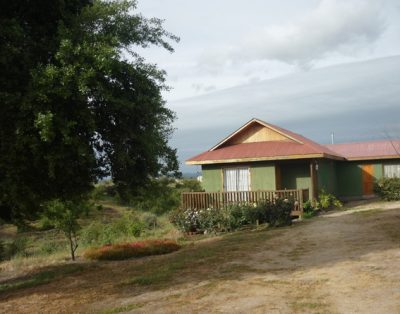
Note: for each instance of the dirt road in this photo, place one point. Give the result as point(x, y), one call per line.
point(344, 262)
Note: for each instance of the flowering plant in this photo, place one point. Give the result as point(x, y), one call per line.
point(133, 249)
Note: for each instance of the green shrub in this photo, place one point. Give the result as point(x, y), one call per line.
point(18, 247)
point(2, 250)
point(150, 220)
point(388, 189)
point(105, 190)
point(91, 234)
point(97, 233)
point(189, 185)
point(134, 249)
point(50, 247)
point(308, 207)
point(327, 201)
point(186, 220)
point(45, 223)
point(277, 213)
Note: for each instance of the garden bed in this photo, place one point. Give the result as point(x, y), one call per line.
point(134, 249)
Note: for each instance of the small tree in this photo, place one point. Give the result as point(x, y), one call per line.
point(63, 215)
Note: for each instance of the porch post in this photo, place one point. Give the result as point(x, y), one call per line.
point(314, 180)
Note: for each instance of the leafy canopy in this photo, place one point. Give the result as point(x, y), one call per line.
point(77, 102)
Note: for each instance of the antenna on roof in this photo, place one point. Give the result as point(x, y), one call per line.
point(333, 137)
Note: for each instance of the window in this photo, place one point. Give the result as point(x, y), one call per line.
point(236, 179)
point(391, 171)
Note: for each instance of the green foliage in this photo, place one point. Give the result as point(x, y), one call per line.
point(105, 190)
point(160, 196)
point(18, 247)
point(150, 220)
point(278, 212)
point(388, 189)
point(275, 213)
point(50, 247)
point(189, 185)
point(2, 250)
point(309, 210)
point(97, 233)
point(308, 207)
point(134, 249)
point(63, 215)
point(327, 201)
point(45, 223)
point(78, 102)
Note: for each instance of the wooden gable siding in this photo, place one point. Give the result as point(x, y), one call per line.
point(256, 133)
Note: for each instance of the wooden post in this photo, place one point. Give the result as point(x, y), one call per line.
point(314, 182)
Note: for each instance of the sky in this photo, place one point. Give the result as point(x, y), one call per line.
point(313, 67)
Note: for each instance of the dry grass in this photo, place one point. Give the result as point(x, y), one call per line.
point(329, 264)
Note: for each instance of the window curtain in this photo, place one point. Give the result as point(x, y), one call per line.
point(236, 179)
point(391, 171)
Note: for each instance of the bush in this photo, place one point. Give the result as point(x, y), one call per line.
point(105, 190)
point(48, 248)
point(18, 247)
point(388, 189)
point(2, 250)
point(150, 220)
point(327, 201)
point(97, 233)
point(186, 220)
point(277, 213)
point(45, 223)
point(135, 249)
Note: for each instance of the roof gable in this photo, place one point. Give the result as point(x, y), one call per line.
point(256, 131)
point(258, 140)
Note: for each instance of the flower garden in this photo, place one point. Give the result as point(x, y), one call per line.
point(134, 249)
point(193, 220)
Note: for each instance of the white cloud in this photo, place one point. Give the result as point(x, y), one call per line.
point(333, 27)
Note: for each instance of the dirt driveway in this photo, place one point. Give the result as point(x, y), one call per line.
point(344, 262)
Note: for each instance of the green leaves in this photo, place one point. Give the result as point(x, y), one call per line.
point(77, 102)
point(44, 123)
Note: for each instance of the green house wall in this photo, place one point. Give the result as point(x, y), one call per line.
point(262, 176)
point(349, 176)
point(295, 176)
point(212, 178)
point(327, 178)
point(341, 178)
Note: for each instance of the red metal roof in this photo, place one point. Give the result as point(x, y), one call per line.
point(368, 150)
point(267, 150)
point(297, 146)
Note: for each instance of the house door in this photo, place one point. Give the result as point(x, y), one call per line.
point(368, 179)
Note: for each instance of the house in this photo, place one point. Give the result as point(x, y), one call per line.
point(262, 156)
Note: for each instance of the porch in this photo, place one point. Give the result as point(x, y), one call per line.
point(223, 199)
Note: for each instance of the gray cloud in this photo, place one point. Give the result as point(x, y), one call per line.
point(333, 27)
point(358, 101)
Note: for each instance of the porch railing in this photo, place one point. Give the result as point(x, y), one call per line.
point(223, 199)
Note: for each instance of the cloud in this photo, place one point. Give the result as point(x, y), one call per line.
point(199, 87)
point(333, 27)
point(358, 101)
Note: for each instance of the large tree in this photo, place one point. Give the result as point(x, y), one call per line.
point(77, 102)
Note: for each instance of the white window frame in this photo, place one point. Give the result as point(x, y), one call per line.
point(391, 171)
point(233, 179)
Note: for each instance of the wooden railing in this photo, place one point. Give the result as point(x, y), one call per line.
point(223, 199)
